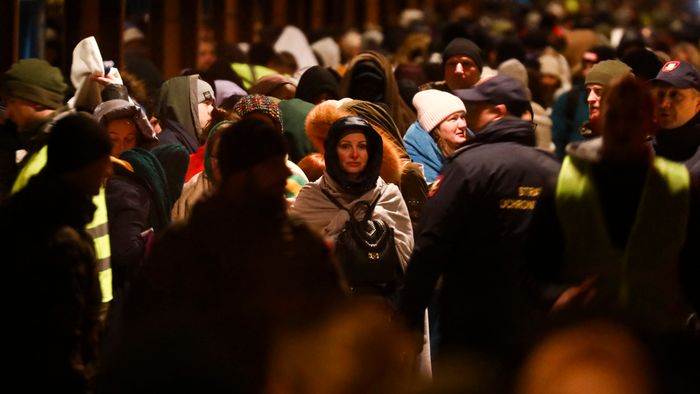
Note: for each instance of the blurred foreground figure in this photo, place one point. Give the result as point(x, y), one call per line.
point(596, 356)
point(219, 287)
point(623, 226)
point(53, 293)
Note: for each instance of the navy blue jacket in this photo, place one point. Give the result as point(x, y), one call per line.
point(472, 233)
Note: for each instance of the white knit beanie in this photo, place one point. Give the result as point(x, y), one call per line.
point(434, 106)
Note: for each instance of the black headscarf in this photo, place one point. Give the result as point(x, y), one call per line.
point(368, 178)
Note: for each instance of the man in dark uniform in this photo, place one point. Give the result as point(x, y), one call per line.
point(472, 234)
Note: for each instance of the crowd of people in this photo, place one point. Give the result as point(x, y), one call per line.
point(485, 206)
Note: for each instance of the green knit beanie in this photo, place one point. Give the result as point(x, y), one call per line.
point(35, 80)
point(607, 70)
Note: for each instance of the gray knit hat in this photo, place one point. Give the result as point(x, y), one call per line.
point(35, 80)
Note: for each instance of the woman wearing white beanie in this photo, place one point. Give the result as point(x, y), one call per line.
point(440, 130)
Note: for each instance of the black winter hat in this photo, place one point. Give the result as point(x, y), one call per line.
point(75, 141)
point(247, 143)
point(317, 82)
point(462, 47)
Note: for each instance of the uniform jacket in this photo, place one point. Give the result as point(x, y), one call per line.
point(472, 233)
point(681, 143)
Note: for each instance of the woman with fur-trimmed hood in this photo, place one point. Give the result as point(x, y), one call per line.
point(396, 167)
point(322, 116)
point(352, 180)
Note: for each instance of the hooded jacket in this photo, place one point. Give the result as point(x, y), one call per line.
point(322, 116)
point(178, 113)
point(317, 83)
point(322, 213)
point(373, 68)
point(120, 109)
point(472, 233)
point(423, 149)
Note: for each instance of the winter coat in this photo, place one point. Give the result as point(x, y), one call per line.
point(139, 198)
point(52, 293)
point(178, 113)
point(472, 233)
point(293, 113)
point(424, 150)
point(569, 112)
point(400, 112)
point(679, 144)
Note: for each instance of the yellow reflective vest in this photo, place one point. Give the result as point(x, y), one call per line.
point(642, 278)
point(250, 73)
point(98, 228)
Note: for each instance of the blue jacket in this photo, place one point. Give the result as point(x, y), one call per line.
point(424, 150)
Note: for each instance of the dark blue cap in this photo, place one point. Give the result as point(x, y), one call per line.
point(679, 74)
point(499, 89)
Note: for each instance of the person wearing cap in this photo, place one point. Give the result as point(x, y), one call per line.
point(598, 78)
point(620, 233)
point(440, 130)
point(33, 91)
point(461, 66)
point(473, 228)
point(570, 110)
point(239, 271)
point(677, 95)
point(52, 264)
point(184, 110)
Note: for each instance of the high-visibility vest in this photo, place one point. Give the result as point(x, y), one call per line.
point(250, 73)
point(98, 228)
point(642, 278)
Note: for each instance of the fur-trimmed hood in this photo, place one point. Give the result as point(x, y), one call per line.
point(322, 116)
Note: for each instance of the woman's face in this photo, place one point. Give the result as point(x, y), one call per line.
point(352, 153)
point(123, 134)
point(453, 130)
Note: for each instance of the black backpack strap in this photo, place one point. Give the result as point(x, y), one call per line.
point(369, 207)
point(334, 200)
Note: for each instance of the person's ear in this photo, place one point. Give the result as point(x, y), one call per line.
point(499, 110)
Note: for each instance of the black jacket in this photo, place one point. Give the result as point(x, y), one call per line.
point(472, 229)
point(681, 143)
point(51, 289)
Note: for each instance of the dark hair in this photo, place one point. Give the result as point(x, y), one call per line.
point(247, 143)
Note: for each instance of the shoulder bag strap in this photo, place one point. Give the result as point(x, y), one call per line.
point(334, 200)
